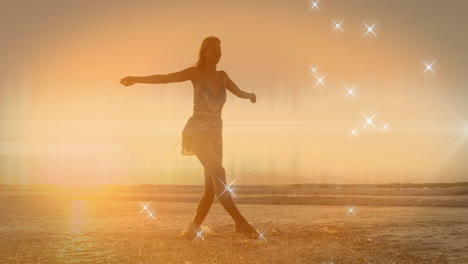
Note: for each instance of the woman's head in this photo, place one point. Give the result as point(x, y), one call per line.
point(210, 52)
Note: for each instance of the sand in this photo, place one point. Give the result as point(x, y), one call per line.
point(106, 231)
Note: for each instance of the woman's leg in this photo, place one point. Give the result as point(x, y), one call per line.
point(210, 161)
point(205, 202)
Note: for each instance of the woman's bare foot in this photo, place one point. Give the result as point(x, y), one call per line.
point(190, 232)
point(194, 232)
point(247, 230)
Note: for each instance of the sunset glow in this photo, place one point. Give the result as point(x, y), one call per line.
point(67, 120)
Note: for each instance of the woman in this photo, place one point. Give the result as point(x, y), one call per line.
point(202, 134)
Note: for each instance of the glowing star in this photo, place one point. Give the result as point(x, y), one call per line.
point(369, 120)
point(350, 210)
point(261, 235)
point(429, 66)
point(353, 132)
point(151, 214)
point(350, 91)
point(313, 69)
point(314, 4)
point(385, 127)
point(369, 29)
point(228, 188)
point(337, 25)
point(320, 80)
point(199, 234)
point(145, 207)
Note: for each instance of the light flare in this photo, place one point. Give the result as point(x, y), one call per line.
point(350, 91)
point(320, 80)
point(261, 235)
point(199, 234)
point(228, 188)
point(314, 5)
point(429, 66)
point(145, 208)
point(369, 120)
point(337, 25)
point(350, 211)
point(369, 29)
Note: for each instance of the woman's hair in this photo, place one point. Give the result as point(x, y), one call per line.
point(207, 41)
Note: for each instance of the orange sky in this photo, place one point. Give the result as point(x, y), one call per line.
point(67, 120)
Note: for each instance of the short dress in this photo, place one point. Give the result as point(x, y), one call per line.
point(205, 122)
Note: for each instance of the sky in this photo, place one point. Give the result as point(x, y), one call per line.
point(66, 119)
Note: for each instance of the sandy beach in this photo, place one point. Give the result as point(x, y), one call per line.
point(105, 231)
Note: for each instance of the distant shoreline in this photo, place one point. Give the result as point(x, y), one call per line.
point(420, 195)
point(386, 185)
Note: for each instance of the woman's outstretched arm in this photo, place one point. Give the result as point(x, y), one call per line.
point(233, 88)
point(180, 76)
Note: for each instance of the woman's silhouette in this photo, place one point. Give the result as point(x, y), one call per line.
point(202, 134)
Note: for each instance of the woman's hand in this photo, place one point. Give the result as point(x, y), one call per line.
point(253, 98)
point(129, 80)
